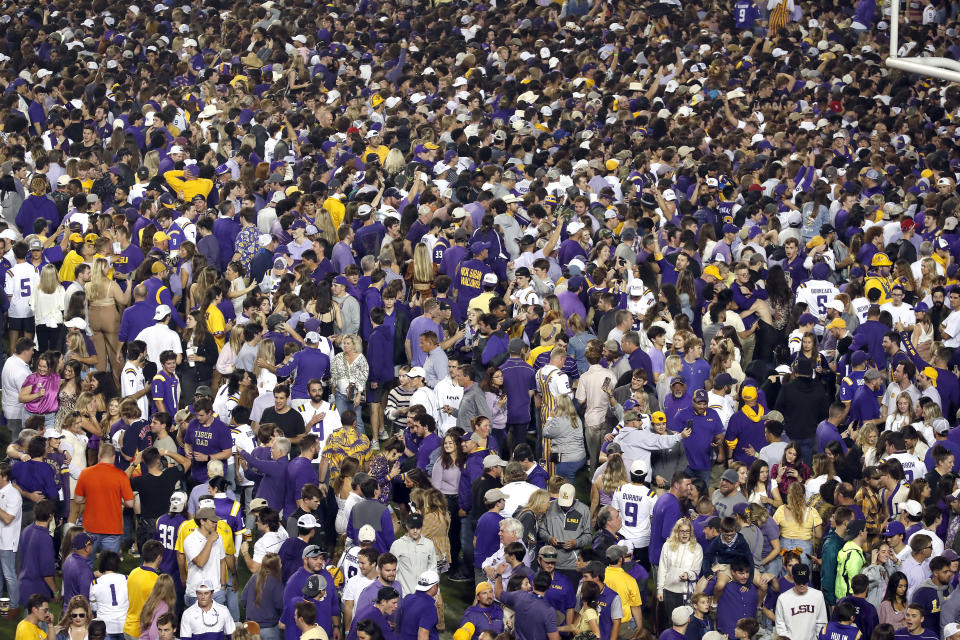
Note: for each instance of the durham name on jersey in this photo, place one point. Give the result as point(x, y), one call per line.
point(816, 293)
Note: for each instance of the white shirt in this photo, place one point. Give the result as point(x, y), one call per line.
point(330, 422)
point(354, 586)
point(348, 565)
point(893, 392)
point(22, 279)
point(159, 338)
point(343, 515)
point(12, 503)
point(270, 542)
point(243, 440)
point(132, 381)
point(725, 406)
point(108, 597)
point(210, 572)
point(449, 393)
point(427, 398)
point(902, 313)
point(15, 372)
point(817, 293)
point(518, 494)
point(935, 542)
point(801, 616)
point(952, 326)
point(913, 467)
point(204, 624)
point(635, 504)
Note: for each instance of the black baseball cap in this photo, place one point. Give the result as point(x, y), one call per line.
point(801, 573)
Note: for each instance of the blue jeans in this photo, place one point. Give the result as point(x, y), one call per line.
point(806, 445)
point(703, 474)
point(806, 546)
point(218, 596)
point(104, 541)
point(569, 469)
point(271, 633)
point(342, 405)
point(8, 565)
point(48, 418)
point(466, 543)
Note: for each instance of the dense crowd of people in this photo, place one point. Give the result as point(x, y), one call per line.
point(625, 322)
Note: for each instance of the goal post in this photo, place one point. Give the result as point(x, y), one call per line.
point(943, 68)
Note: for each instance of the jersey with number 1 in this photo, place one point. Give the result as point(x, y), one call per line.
point(108, 598)
point(635, 504)
point(817, 293)
point(22, 280)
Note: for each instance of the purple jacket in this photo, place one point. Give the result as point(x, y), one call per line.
point(273, 487)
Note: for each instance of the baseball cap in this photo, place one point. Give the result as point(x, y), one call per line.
point(940, 425)
point(836, 305)
point(639, 468)
point(615, 553)
point(807, 318)
point(427, 579)
point(366, 534)
point(748, 393)
point(730, 475)
point(307, 521)
point(837, 323)
point(494, 495)
point(931, 373)
point(493, 460)
point(516, 346)
point(871, 374)
point(312, 551)
point(894, 528)
point(566, 496)
point(678, 380)
point(315, 584)
point(723, 380)
point(657, 417)
point(76, 323)
point(416, 372)
point(858, 358)
point(414, 521)
point(801, 574)
point(951, 629)
point(681, 615)
point(257, 503)
point(913, 508)
point(50, 432)
point(700, 395)
point(161, 312)
point(490, 278)
point(208, 514)
point(81, 540)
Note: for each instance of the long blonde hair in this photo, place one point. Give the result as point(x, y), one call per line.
point(266, 352)
point(236, 338)
point(422, 264)
point(672, 366)
point(163, 591)
point(49, 280)
point(674, 540)
point(797, 502)
point(99, 283)
point(614, 474)
point(538, 502)
point(565, 408)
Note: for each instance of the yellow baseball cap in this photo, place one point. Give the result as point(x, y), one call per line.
point(376, 100)
point(160, 236)
point(76, 237)
point(658, 417)
point(880, 259)
point(837, 323)
point(91, 238)
point(713, 270)
point(748, 393)
point(158, 267)
point(612, 164)
point(815, 241)
point(931, 373)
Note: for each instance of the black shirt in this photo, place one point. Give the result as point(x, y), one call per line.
point(291, 422)
point(155, 491)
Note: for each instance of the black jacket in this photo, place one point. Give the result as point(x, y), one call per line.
point(803, 403)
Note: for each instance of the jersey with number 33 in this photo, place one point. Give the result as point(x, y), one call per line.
point(635, 504)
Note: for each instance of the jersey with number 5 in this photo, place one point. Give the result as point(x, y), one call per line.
point(22, 281)
point(108, 598)
point(635, 504)
point(816, 293)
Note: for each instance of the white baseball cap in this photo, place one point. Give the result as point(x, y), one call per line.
point(427, 579)
point(566, 496)
point(161, 312)
point(366, 534)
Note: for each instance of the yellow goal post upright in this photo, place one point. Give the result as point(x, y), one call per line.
point(943, 68)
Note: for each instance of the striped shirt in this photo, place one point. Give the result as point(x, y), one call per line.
point(398, 398)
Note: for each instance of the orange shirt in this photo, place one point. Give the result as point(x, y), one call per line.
point(105, 488)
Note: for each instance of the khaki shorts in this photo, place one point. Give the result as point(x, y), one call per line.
point(723, 570)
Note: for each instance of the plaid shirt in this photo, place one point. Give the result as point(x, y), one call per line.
point(869, 501)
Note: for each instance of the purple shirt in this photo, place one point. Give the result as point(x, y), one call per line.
point(488, 526)
point(419, 612)
point(273, 486)
point(697, 446)
point(533, 618)
point(418, 327)
point(309, 363)
point(341, 256)
point(36, 544)
point(518, 380)
point(209, 439)
point(135, 319)
point(166, 534)
point(77, 577)
point(733, 605)
point(327, 608)
point(827, 432)
point(300, 472)
point(666, 512)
